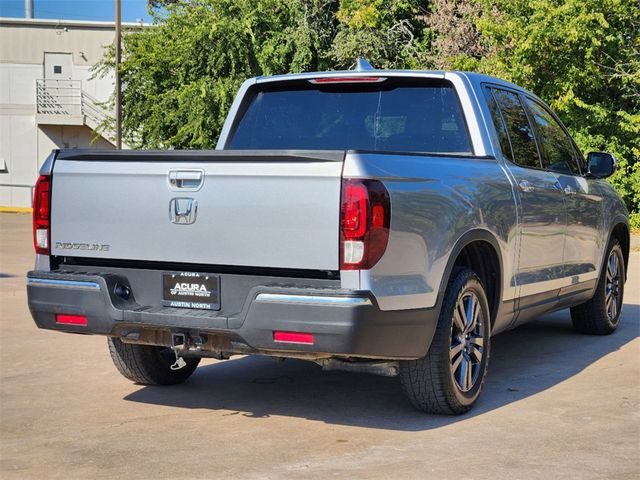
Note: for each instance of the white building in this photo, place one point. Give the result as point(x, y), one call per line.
point(48, 98)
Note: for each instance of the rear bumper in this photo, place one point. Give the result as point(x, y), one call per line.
point(343, 323)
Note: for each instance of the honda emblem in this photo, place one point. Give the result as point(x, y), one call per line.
point(183, 211)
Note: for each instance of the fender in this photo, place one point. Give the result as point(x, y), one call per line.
point(467, 238)
point(617, 220)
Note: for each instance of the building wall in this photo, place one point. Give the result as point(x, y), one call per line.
point(24, 144)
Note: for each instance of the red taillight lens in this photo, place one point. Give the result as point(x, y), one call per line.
point(364, 223)
point(41, 215)
point(325, 80)
point(354, 210)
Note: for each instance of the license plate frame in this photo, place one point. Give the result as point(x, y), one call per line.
point(195, 290)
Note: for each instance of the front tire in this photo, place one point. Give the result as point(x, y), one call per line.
point(601, 314)
point(148, 364)
point(448, 380)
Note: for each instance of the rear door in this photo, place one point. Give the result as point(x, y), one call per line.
point(58, 66)
point(58, 93)
point(583, 240)
point(543, 215)
point(258, 209)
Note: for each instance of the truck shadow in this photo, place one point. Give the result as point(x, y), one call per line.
point(524, 362)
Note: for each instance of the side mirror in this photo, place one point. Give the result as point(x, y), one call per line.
point(601, 165)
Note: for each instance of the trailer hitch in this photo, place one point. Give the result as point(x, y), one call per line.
point(178, 345)
point(181, 343)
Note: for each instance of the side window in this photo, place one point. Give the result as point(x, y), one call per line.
point(558, 154)
point(523, 143)
point(505, 146)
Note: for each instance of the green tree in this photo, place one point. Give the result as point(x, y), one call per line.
point(456, 39)
point(180, 76)
point(389, 33)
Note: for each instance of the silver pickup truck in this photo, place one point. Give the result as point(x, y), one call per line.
point(375, 221)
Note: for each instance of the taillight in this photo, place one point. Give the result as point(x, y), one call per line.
point(364, 223)
point(41, 215)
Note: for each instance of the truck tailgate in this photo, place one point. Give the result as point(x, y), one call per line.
point(246, 208)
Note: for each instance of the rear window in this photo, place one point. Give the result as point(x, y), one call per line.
point(383, 116)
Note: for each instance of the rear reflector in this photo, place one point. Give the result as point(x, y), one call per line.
point(71, 320)
point(293, 337)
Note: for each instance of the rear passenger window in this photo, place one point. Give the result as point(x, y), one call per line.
point(505, 146)
point(558, 154)
point(523, 144)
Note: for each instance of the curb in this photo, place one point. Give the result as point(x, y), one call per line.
point(16, 210)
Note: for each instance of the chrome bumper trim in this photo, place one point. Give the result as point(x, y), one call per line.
point(312, 299)
point(74, 284)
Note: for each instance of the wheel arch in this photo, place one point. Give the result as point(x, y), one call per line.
point(620, 231)
point(479, 250)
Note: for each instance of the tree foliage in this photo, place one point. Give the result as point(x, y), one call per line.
point(582, 57)
point(390, 34)
point(180, 76)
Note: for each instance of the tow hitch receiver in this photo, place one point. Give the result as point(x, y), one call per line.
point(180, 343)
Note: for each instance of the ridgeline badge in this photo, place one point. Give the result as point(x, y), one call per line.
point(98, 247)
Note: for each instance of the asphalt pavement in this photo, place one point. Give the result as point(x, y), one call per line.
point(556, 405)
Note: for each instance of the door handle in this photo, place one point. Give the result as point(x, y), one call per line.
point(569, 190)
point(526, 186)
point(186, 179)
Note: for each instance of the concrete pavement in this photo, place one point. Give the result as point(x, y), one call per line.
point(556, 405)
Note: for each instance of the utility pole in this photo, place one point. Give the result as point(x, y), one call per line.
point(118, 83)
point(28, 8)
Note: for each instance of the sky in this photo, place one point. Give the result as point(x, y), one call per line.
point(100, 10)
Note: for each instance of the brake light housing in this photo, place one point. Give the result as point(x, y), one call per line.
point(42, 215)
point(355, 79)
point(365, 216)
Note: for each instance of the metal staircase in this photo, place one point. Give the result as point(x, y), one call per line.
point(63, 102)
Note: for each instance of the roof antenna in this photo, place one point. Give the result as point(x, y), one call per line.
point(362, 65)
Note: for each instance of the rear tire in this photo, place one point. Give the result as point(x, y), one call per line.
point(448, 380)
point(148, 364)
point(601, 314)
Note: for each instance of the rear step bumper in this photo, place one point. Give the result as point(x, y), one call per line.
point(342, 323)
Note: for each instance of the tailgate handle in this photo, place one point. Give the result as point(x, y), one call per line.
point(186, 179)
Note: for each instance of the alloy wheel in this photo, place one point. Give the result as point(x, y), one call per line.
point(467, 341)
point(613, 299)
